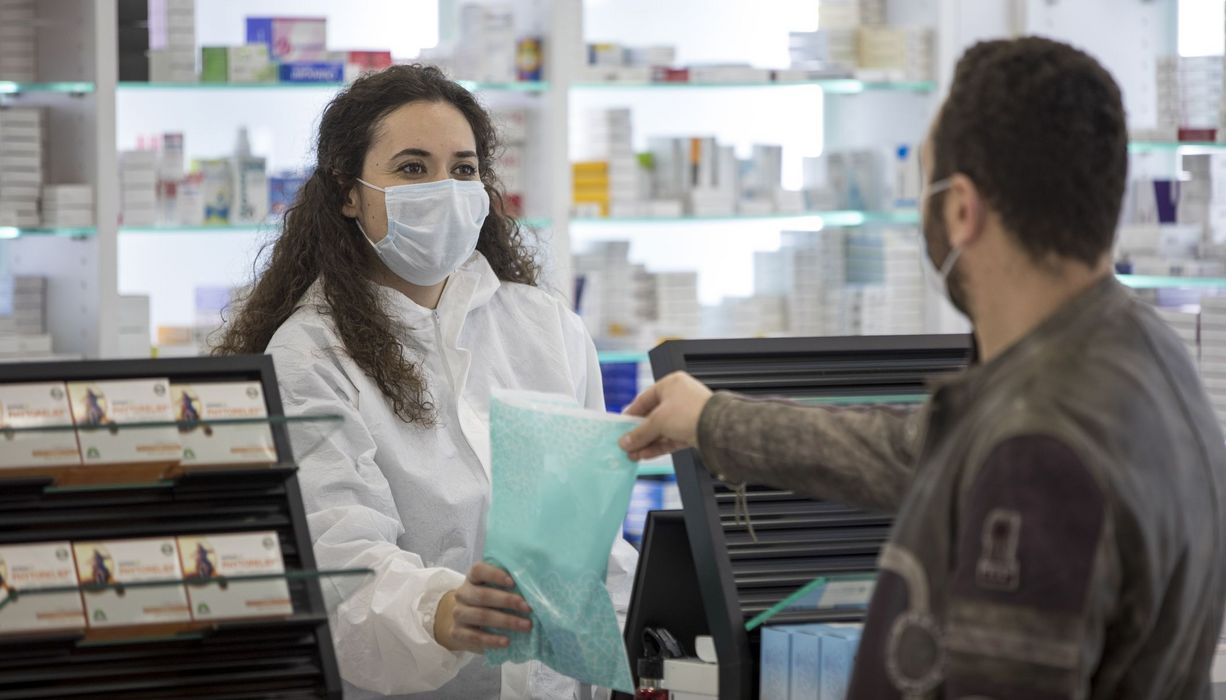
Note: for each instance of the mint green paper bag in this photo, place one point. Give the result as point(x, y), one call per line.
point(561, 488)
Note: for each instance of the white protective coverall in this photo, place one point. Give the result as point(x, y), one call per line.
point(410, 502)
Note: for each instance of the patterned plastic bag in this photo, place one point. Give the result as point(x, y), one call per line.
point(561, 490)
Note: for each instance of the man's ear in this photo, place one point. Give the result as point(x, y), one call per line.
point(965, 211)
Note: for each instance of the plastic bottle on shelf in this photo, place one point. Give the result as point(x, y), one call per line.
point(250, 183)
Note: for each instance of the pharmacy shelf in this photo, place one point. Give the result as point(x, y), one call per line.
point(829, 218)
point(1159, 146)
point(182, 426)
point(834, 86)
point(538, 223)
point(8, 87)
point(1163, 282)
point(474, 86)
point(19, 232)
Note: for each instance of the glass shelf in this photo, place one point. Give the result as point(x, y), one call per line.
point(22, 232)
point(662, 467)
point(836, 86)
point(6, 432)
point(261, 226)
point(1161, 282)
point(1154, 146)
point(614, 357)
point(8, 87)
point(471, 85)
point(857, 587)
point(202, 228)
point(293, 575)
point(830, 218)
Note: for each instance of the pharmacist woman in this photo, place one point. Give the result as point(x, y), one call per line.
point(399, 295)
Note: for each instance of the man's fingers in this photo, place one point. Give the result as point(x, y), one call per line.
point(640, 437)
point(645, 402)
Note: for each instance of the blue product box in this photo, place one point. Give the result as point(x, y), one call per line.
point(283, 190)
point(838, 657)
point(775, 666)
point(311, 72)
point(806, 673)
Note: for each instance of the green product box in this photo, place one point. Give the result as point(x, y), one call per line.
point(216, 64)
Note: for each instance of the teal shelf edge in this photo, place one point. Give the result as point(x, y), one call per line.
point(830, 218)
point(8, 87)
point(836, 86)
point(22, 232)
point(1165, 282)
point(656, 469)
point(471, 85)
point(613, 357)
point(1157, 146)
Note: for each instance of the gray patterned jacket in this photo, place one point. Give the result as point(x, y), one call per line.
point(1060, 512)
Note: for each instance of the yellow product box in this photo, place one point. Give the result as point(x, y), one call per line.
point(102, 409)
point(131, 561)
point(39, 405)
point(29, 567)
point(211, 557)
point(204, 443)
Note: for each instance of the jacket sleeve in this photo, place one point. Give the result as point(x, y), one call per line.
point(1036, 575)
point(861, 457)
point(382, 625)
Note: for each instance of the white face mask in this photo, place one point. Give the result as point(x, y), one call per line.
point(432, 228)
point(938, 279)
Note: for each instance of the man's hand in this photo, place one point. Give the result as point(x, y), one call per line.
point(465, 614)
point(672, 407)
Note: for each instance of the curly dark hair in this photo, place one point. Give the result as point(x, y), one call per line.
point(317, 242)
point(1039, 127)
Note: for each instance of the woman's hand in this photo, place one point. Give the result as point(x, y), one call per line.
point(465, 614)
point(672, 407)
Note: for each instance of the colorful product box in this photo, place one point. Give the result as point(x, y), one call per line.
point(226, 556)
point(36, 406)
point(27, 567)
point(198, 404)
point(311, 72)
point(131, 561)
point(290, 39)
point(101, 409)
point(358, 63)
point(283, 190)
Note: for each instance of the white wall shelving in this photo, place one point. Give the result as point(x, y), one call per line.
point(87, 272)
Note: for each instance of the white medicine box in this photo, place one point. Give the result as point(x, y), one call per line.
point(101, 410)
point(210, 557)
point(205, 443)
point(29, 567)
point(131, 561)
point(37, 405)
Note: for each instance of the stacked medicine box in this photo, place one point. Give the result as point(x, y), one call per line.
point(138, 181)
point(68, 206)
point(18, 54)
point(678, 311)
point(22, 155)
point(612, 132)
point(23, 317)
point(1213, 352)
point(809, 662)
point(172, 41)
point(888, 263)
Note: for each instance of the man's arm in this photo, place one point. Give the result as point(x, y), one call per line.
point(862, 457)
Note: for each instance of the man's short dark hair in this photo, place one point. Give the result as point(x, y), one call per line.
point(1039, 127)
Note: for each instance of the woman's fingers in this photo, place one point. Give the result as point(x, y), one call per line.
point(491, 619)
point(488, 573)
point(475, 640)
